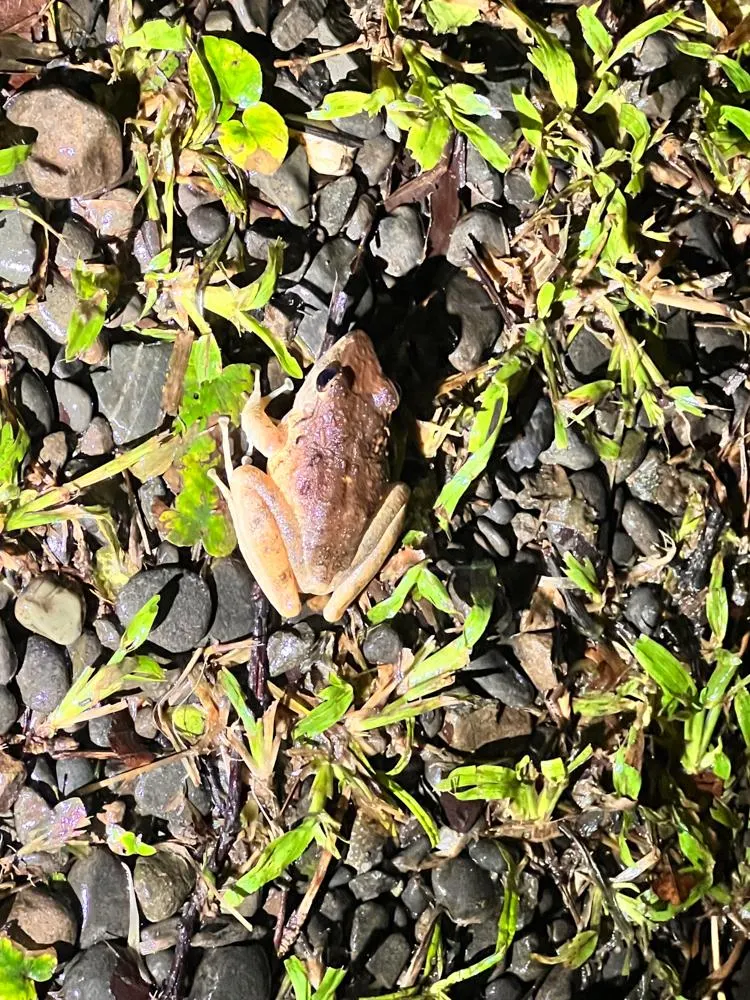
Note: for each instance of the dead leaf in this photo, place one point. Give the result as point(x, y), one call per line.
point(534, 652)
point(18, 16)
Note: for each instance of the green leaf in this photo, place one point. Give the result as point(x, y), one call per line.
point(13, 444)
point(625, 778)
point(556, 65)
point(449, 15)
point(644, 30)
point(530, 119)
point(594, 33)
point(583, 575)
point(335, 700)
point(93, 289)
point(20, 969)
point(635, 123)
point(237, 72)
point(393, 14)
point(484, 144)
point(738, 117)
point(574, 953)
point(126, 843)
point(298, 978)
point(742, 711)
point(273, 861)
point(717, 604)
point(434, 590)
point(540, 177)
point(12, 157)
point(391, 605)
point(421, 815)
point(477, 782)
point(259, 142)
point(737, 74)
point(137, 630)
point(341, 104)
point(665, 669)
point(190, 720)
point(427, 139)
point(199, 513)
point(209, 390)
point(465, 99)
point(483, 589)
point(159, 35)
point(204, 88)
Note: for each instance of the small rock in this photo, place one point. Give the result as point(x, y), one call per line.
point(494, 538)
point(370, 885)
point(632, 451)
point(362, 125)
point(184, 612)
point(518, 191)
point(89, 974)
point(17, 247)
point(161, 792)
point(130, 392)
point(8, 715)
point(163, 882)
point(76, 243)
point(53, 607)
point(524, 451)
point(112, 215)
point(35, 405)
point(31, 814)
point(367, 842)
point(151, 491)
point(480, 175)
point(288, 188)
point(501, 680)
point(382, 644)
point(43, 679)
point(335, 202)
point(642, 528)
point(558, 985)
point(74, 404)
point(8, 655)
point(587, 353)
point(522, 965)
point(487, 855)
point(55, 310)
point(101, 885)
point(78, 149)
point(576, 454)
point(335, 904)
point(63, 368)
point(295, 22)
point(73, 773)
point(12, 778)
point(506, 987)
point(643, 608)
point(362, 219)
point(415, 897)
point(54, 451)
point(329, 270)
point(589, 487)
point(479, 321)
point(237, 609)
point(107, 632)
point(43, 916)
point(388, 962)
point(25, 338)
point(207, 223)
point(368, 919)
point(623, 549)
point(477, 227)
point(97, 438)
point(290, 649)
point(236, 972)
point(99, 731)
point(653, 53)
point(475, 724)
point(400, 241)
point(466, 891)
point(375, 158)
point(656, 482)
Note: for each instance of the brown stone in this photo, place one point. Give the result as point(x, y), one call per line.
point(111, 215)
point(12, 777)
point(78, 149)
point(43, 917)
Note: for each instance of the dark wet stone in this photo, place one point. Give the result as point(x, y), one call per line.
point(369, 918)
point(43, 916)
point(27, 340)
point(335, 202)
point(17, 247)
point(642, 528)
point(375, 158)
point(479, 321)
point(653, 53)
point(518, 191)
point(498, 543)
point(237, 972)
point(587, 353)
point(478, 227)
point(335, 904)
point(9, 713)
point(85, 651)
point(388, 962)
point(72, 774)
point(130, 391)
point(656, 482)
point(643, 608)
point(78, 149)
point(162, 881)
point(88, 975)
point(101, 885)
point(576, 454)
point(35, 405)
point(74, 405)
point(480, 175)
point(506, 987)
point(465, 890)
point(558, 984)
point(501, 512)
point(288, 188)
point(76, 243)
point(55, 310)
point(207, 223)
point(185, 607)
point(8, 655)
point(43, 679)
point(152, 490)
point(97, 438)
point(522, 965)
point(400, 241)
point(290, 649)
point(161, 792)
point(100, 730)
point(382, 644)
point(524, 451)
point(295, 22)
point(237, 610)
point(623, 549)
point(370, 885)
point(487, 855)
point(589, 487)
point(415, 897)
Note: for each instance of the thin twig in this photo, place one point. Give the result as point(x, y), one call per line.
point(301, 61)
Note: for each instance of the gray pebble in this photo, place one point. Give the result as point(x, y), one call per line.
point(506, 987)
point(291, 648)
point(518, 191)
point(236, 972)
point(97, 438)
point(478, 318)
point(185, 607)
point(375, 157)
point(130, 391)
point(524, 451)
point(207, 223)
point(295, 22)
point(501, 512)
point(27, 340)
point(35, 405)
point(43, 679)
point(487, 855)
point(623, 549)
point(335, 904)
point(368, 919)
point(415, 897)
point(479, 226)
point(51, 606)
point(382, 644)
point(400, 241)
point(88, 975)
point(576, 454)
point(587, 353)
point(162, 882)
point(100, 730)
point(74, 404)
point(643, 608)
point(54, 451)
point(590, 488)
point(362, 219)
point(63, 368)
point(494, 537)
point(522, 965)
point(370, 885)
point(335, 201)
point(388, 962)
point(77, 243)
point(8, 714)
point(288, 188)
point(73, 773)
point(642, 528)
point(362, 125)
point(8, 655)
point(55, 310)
point(101, 885)
point(151, 490)
point(17, 247)
point(161, 792)
point(465, 890)
point(237, 607)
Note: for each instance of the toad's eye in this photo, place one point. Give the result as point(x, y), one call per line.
point(327, 375)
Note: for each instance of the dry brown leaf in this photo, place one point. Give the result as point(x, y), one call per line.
point(18, 16)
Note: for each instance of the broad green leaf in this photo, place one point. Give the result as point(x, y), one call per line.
point(545, 299)
point(427, 139)
point(20, 969)
point(540, 177)
point(13, 444)
point(335, 700)
point(594, 33)
point(237, 71)
point(583, 575)
point(273, 861)
point(466, 100)
point(635, 123)
point(727, 665)
point(739, 117)
point(298, 978)
point(341, 104)
point(391, 605)
point(484, 144)
point(189, 720)
point(138, 629)
point(392, 11)
point(158, 35)
point(259, 292)
point(477, 782)
point(556, 65)
point(738, 75)
point(530, 119)
point(625, 778)
point(210, 391)
point(330, 982)
point(483, 589)
point(665, 669)
point(449, 15)
point(199, 513)
point(12, 157)
point(126, 843)
point(742, 711)
point(259, 142)
point(717, 604)
point(205, 89)
point(644, 30)
point(434, 590)
point(93, 289)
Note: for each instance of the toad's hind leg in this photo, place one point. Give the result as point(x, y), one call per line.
point(380, 537)
point(264, 528)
